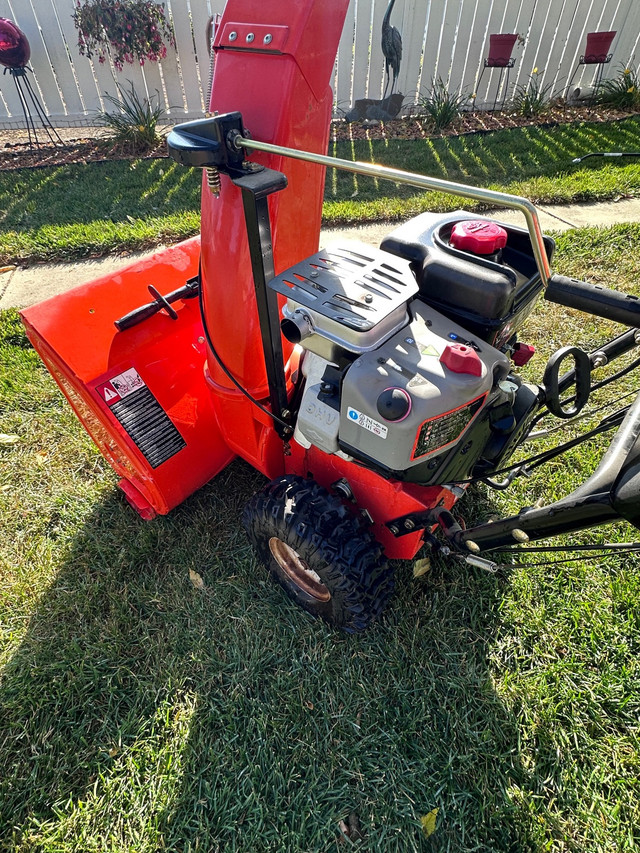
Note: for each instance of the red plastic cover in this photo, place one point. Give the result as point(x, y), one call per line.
point(478, 236)
point(461, 359)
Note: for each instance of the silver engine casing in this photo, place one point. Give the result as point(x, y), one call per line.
point(354, 310)
point(442, 403)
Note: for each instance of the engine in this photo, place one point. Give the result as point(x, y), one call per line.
point(408, 363)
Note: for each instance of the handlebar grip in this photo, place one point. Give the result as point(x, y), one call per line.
point(594, 299)
point(137, 316)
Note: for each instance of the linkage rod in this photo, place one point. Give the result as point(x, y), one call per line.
point(422, 182)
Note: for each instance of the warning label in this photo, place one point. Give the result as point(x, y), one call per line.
point(120, 386)
point(368, 423)
point(141, 416)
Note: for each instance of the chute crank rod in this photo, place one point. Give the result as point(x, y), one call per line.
point(421, 182)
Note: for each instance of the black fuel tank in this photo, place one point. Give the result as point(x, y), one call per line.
point(491, 296)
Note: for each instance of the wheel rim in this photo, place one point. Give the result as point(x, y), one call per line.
point(297, 570)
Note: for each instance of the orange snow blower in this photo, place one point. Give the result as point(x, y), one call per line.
point(370, 385)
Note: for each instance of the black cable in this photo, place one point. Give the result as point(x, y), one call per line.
point(603, 382)
point(540, 458)
point(615, 546)
point(595, 387)
point(552, 562)
point(604, 551)
point(223, 366)
point(606, 154)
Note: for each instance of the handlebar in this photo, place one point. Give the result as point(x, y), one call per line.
point(594, 299)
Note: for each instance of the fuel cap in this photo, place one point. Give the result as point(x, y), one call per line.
point(394, 404)
point(479, 236)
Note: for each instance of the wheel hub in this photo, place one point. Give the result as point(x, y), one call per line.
point(297, 570)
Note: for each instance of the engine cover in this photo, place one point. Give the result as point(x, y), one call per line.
point(347, 298)
point(418, 394)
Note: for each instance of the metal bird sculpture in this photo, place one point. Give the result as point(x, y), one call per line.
point(391, 48)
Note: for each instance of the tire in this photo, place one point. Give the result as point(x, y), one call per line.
point(324, 557)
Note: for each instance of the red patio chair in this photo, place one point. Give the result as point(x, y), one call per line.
point(596, 53)
point(500, 47)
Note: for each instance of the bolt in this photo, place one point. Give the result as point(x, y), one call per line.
point(368, 298)
point(268, 38)
point(285, 413)
point(233, 36)
point(394, 529)
point(343, 489)
point(250, 37)
point(409, 524)
point(314, 274)
point(600, 359)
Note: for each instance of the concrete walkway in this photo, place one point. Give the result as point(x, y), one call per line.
point(22, 286)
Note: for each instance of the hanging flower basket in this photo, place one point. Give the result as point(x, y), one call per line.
point(127, 30)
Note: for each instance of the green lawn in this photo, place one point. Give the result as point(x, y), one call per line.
point(66, 212)
point(138, 713)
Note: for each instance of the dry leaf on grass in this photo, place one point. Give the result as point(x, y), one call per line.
point(350, 828)
point(421, 567)
point(5, 438)
point(196, 579)
point(429, 822)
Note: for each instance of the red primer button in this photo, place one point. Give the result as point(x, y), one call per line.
point(461, 359)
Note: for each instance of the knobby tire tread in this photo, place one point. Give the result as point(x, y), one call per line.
point(335, 542)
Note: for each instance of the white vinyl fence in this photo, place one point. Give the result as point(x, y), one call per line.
point(442, 40)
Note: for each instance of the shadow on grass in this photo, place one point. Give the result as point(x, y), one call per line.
point(141, 710)
point(93, 193)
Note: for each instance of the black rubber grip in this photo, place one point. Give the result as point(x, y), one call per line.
point(137, 316)
point(594, 299)
point(160, 303)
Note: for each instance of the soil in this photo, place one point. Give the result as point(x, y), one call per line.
point(84, 145)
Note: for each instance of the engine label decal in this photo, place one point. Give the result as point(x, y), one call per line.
point(141, 416)
point(436, 433)
point(368, 423)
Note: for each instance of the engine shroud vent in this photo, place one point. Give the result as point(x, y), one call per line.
point(354, 296)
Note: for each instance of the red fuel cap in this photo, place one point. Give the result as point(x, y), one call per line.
point(478, 236)
point(461, 359)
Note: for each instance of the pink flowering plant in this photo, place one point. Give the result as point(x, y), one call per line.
point(127, 30)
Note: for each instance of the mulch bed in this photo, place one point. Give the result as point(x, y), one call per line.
point(20, 155)
point(15, 153)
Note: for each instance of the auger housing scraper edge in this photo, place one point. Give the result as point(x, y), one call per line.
point(369, 385)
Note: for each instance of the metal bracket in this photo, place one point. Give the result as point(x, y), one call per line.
point(256, 186)
point(413, 522)
point(207, 143)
